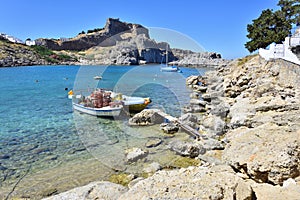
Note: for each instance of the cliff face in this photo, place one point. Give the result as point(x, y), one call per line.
point(131, 51)
point(108, 36)
point(124, 43)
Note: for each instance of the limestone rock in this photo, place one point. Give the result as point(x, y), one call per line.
point(267, 191)
point(153, 143)
point(192, 108)
point(214, 125)
point(198, 102)
point(206, 97)
point(153, 167)
point(220, 109)
point(169, 128)
point(243, 191)
point(213, 144)
point(146, 117)
point(189, 119)
point(187, 149)
point(241, 112)
point(95, 190)
point(199, 88)
point(266, 153)
point(192, 80)
point(194, 95)
point(134, 181)
point(218, 182)
point(134, 154)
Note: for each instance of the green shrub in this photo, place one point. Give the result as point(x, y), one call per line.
point(43, 51)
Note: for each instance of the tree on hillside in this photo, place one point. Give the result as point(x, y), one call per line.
point(273, 26)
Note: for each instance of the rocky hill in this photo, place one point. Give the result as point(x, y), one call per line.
point(107, 36)
point(118, 43)
point(124, 43)
point(15, 54)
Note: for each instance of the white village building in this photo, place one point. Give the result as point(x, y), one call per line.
point(11, 38)
point(29, 42)
point(283, 50)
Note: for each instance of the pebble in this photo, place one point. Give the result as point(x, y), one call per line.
point(153, 143)
point(4, 157)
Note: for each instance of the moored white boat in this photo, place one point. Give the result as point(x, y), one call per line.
point(107, 103)
point(106, 111)
point(97, 77)
point(170, 69)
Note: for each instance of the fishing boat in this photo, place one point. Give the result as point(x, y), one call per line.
point(107, 103)
point(106, 111)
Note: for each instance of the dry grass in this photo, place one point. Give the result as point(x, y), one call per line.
point(242, 61)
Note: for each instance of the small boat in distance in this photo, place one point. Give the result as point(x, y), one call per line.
point(97, 77)
point(169, 68)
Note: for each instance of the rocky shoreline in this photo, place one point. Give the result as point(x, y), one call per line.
point(248, 115)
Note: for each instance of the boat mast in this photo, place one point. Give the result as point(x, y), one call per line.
point(167, 54)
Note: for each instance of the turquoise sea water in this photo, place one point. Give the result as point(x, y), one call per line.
point(39, 130)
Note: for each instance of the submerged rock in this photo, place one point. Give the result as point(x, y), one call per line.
point(169, 128)
point(187, 149)
point(153, 143)
point(135, 154)
point(153, 167)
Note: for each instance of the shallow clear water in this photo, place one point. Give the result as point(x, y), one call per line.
point(39, 130)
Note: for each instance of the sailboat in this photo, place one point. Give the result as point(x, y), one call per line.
point(169, 68)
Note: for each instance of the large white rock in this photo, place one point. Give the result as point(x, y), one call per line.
point(95, 190)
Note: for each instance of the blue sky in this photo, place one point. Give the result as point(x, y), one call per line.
point(218, 26)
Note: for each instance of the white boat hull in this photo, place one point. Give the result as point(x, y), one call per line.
point(101, 112)
point(170, 69)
